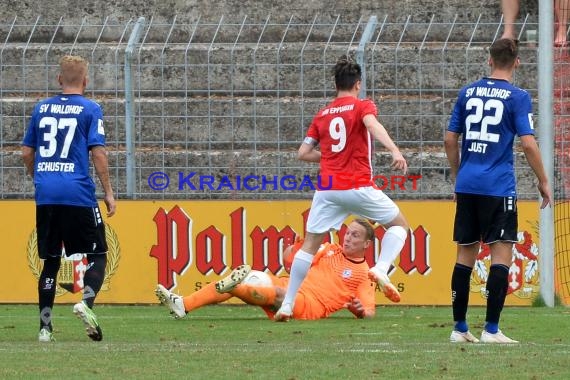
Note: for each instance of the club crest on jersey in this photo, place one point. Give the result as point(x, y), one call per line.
point(347, 273)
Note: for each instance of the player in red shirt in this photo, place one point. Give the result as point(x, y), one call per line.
point(344, 131)
point(338, 279)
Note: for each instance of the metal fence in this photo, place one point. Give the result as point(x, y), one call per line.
point(221, 107)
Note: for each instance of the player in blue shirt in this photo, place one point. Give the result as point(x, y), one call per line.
point(488, 114)
point(63, 130)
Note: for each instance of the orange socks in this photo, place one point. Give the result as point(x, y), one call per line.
point(205, 296)
point(255, 295)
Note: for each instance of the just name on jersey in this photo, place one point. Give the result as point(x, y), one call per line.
point(477, 147)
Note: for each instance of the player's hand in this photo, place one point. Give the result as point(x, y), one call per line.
point(545, 193)
point(109, 200)
point(355, 307)
point(399, 162)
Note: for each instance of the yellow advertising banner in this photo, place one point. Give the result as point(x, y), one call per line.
point(185, 244)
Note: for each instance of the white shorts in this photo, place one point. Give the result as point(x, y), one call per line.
point(330, 208)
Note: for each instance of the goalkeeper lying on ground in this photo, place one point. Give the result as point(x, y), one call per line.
point(338, 279)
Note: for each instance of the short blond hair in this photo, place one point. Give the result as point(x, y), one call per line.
point(367, 226)
point(73, 69)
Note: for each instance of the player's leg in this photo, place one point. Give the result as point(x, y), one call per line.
point(211, 294)
point(299, 269)
point(460, 285)
point(390, 247)
point(325, 214)
point(237, 275)
point(255, 295)
point(510, 9)
point(392, 242)
point(46, 296)
point(497, 287)
point(84, 233)
point(500, 235)
point(49, 250)
point(179, 306)
point(92, 282)
point(251, 286)
point(562, 11)
point(94, 276)
point(280, 286)
point(207, 295)
point(466, 232)
point(373, 204)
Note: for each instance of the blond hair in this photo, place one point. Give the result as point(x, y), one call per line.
point(367, 226)
point(73, 69)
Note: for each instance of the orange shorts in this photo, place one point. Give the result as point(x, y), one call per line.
point(305, 307)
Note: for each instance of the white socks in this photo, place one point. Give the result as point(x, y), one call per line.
point(392, 243)
point(299, 269)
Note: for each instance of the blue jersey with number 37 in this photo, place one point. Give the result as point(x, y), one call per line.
point(489, 113)
point(62, 130)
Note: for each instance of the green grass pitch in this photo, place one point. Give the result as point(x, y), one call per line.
point(239, 342)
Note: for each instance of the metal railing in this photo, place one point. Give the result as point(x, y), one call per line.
point(229, 99)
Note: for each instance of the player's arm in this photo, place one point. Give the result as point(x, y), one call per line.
point(363, 304)
point(356, 307)
point(532, 154)
point(307, 151)
point(28, 146)
point(289, 253)
point(451, 141)
point(379, 133)
point(100, 162)
point(28, 156)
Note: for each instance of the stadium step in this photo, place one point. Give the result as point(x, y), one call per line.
point(241, 122)
point(429, 162)
point(256, 11)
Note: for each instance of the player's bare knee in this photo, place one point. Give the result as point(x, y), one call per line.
point(399, 221)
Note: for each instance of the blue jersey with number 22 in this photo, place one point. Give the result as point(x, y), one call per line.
point(489, 113)
point(62, 130)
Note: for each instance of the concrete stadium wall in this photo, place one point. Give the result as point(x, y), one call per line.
point(421, 10)
point(166, 139)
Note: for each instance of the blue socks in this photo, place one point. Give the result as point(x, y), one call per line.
point(461, 326)
point(492, 328)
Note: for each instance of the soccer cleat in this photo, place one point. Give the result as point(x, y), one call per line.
point(383, 281)
point(83, 312)
point(228, 283)
point(462, 337)
point(172, 301)
point(45, 336)
point(285, 313)
point(499, 337)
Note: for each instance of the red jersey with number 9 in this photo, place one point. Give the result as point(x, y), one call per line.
point(345, 143)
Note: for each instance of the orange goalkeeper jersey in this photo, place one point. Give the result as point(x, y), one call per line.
point(331, 283)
